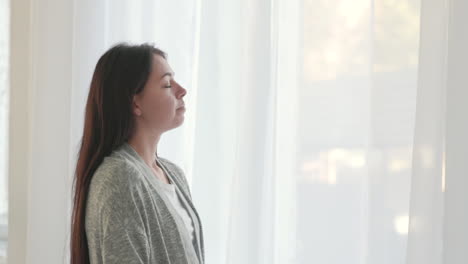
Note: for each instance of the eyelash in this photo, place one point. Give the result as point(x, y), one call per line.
point(168, 85)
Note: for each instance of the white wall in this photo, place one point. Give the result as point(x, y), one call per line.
point(39, 152)
point(19, 127)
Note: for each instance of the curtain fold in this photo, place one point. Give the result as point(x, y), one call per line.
point(426, 222)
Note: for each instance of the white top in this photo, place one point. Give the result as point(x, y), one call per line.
point(170, 191)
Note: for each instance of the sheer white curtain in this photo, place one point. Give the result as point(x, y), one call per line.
point(425, 241)
point(316, 131)
point(304, 130)
point(332, 131)
point(438, 231)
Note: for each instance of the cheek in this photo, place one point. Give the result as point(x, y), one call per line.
point(160, 108)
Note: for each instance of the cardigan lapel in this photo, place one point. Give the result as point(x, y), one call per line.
point(188, 204)
point(155, 184)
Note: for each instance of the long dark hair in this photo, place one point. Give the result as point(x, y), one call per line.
point(120, 73)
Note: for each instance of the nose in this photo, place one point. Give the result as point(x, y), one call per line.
point(182, 92)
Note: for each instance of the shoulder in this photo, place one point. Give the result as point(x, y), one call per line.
point(114, 171)
point(114, 183)
point(117, 198)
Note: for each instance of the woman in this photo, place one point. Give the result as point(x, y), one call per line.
point(130, 205)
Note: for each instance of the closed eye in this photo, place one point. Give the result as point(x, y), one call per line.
point(168, 85)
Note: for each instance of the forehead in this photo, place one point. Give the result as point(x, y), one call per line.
point(160, 65)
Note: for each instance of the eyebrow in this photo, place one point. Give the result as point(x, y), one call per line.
point(167, 74)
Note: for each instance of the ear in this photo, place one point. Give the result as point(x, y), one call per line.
point(136, 106)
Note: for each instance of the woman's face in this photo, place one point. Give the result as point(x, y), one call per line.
point(160, 107)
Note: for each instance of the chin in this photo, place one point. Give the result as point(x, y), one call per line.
point(178, 123)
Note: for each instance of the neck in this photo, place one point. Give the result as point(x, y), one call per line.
point(145, 145)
